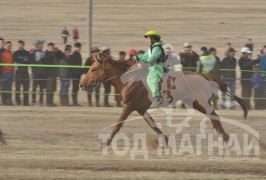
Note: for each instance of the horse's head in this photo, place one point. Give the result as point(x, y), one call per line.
point(97, 73)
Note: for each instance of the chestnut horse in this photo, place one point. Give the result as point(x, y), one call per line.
point(135, 95)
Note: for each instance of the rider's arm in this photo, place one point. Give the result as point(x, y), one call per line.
point(143, 57)
point(155, 55)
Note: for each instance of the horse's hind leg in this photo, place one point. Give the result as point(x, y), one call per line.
point(147, 117)
point(206, 109)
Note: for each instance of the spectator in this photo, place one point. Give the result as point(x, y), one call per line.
point(227, 47)
point(7, 58)
point(262, 61)
point(64, 75)
point(257, 83)
point(68, 48)
point(2, 43)
point(32, 49)
point(245, 65)
point(39, 74)
point(215, 70)
point(52, 73)
point(131, 52)
point(95, 51)
point(250, 45)
point(172, 59)
point(189, 58)
point(207, 62)
point(106, 84)
point(228, 66)
point(75, 34)
point(75, 73)
point(65, 35)
point(21, 56)
point(118, 98)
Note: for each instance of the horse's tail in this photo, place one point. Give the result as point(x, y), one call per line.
point(223, 88)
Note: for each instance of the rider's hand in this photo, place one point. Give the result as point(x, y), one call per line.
point(134, 59)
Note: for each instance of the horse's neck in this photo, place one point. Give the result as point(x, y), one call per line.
point(114, 76)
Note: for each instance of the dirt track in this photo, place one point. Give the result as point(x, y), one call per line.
point(48, 143)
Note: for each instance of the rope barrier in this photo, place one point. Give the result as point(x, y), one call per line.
point(74, 66)
point(111, 94)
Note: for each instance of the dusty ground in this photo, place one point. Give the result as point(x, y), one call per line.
point(46, 143)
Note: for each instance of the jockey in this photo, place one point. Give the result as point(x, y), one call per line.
point(154, 57)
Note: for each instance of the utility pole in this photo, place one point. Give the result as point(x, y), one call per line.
point(89, 25)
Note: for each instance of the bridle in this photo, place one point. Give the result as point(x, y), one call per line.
point(95, 81)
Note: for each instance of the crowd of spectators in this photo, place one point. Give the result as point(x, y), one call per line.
point(43, 77)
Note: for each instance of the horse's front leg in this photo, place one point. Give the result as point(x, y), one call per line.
point(125, 113)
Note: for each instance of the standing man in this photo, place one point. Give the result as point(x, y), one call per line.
point(21, 56)
point(2, 44)
point(106, 84)
point(246, 67)
point(215, 70)
point(39, 74)
point(75, 60)
point(95, 51)
point(250, 45)
point(172, 59)
point(189, 58)
point(52, 73)
point(229, 75)
point(64, 74)
point(65, 35)
point(7, 58)
point(207, 61)
point(75, 34)
point(263, 74)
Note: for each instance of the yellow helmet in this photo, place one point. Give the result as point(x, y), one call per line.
point(153, 33)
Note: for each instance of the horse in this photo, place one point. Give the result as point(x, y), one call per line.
point(136, 97)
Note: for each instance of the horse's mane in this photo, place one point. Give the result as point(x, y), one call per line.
point(119, 64)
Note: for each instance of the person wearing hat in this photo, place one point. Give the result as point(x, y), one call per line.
point(95, 51)
point(154, 57)
point(228, 73)
point(189, 58)
point(106, 84)
point(52, 73)
point(76, 60)
point(22, 56)
point(246, 67)
point(39, 74)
